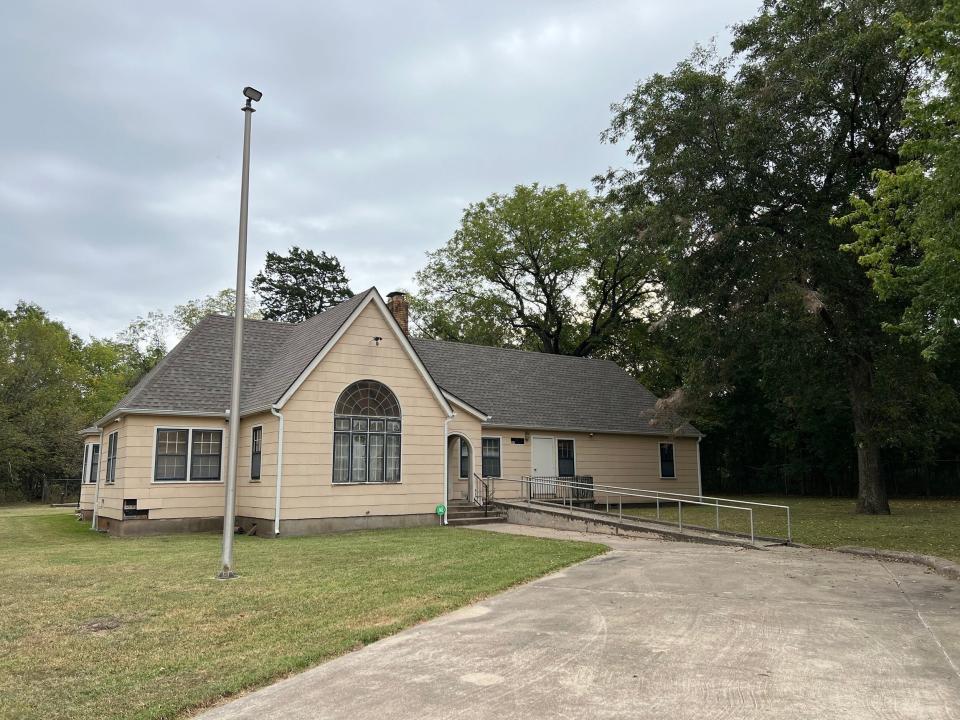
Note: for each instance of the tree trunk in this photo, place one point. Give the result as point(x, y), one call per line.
point(872, 492)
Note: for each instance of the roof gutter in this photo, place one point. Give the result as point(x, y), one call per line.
point(276, 506)
point(113, 414)
point(546, 428)
point(476, 412)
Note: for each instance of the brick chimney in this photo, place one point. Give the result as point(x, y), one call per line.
point(400, 309)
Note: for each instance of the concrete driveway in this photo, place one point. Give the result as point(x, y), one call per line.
point(658, 629)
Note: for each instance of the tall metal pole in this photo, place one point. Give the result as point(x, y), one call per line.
point(230, 501)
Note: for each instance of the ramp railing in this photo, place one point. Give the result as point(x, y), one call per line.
point(751, 503)
point(671, 497)
point(565, 491)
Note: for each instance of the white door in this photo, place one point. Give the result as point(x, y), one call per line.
point(544, 465)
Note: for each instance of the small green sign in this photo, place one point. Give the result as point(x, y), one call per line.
point(441, 509)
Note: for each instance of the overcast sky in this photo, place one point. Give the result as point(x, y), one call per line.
point(121, 131)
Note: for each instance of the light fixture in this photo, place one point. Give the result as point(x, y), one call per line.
point(252, 94)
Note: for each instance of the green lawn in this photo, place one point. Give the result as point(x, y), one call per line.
point(99, 627)
point(931, 527)
point(33, 509)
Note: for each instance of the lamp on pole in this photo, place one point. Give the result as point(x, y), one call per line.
point(230, 500)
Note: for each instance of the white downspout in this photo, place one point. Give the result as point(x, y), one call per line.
point(446, 465)
point(96, 492)
point(276, 506)
point(699, 478)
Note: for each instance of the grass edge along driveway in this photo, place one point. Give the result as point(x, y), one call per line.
point(927, 526)
point(99, 627)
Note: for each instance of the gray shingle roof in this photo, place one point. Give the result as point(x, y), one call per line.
point(298, 351)
point(194, 377)
point(537, 390)
point(516, 388)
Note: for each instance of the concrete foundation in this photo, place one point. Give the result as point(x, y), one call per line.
point(320, 526)
point(139, 527)
point(86, 515)
point(261, 527)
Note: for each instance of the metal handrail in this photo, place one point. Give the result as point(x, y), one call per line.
point(669, 495)
point(625, 492)
point(482, 499)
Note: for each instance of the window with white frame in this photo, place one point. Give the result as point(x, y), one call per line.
point(188, 455)
point(667, 466)
point(256, 444)
point(366, 434)
point(91, 463)
point(111, 476)
point(490, 456)
point(566, 462)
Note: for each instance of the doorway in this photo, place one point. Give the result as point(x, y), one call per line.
point(459, 468)
point(543, 464)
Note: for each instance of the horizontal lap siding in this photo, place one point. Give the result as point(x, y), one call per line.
point(256, 498)
point(629, 461)
point(514, 460)
point(135, 468)
point(308, 490)
point(634, 462)
point(110, 497)
point(87, 493)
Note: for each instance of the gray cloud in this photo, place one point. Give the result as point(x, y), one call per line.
point(119, 186)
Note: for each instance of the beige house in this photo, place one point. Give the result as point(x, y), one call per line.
point(347, 423)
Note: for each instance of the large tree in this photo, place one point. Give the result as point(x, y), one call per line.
point(908, 236)
point(186, 315)
point(41, 381)
point(300, 284)
point(740, 164)
point(111, 367)
point(52, 384)
point(545, 268)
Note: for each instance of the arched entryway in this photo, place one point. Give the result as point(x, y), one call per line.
point(459, 467)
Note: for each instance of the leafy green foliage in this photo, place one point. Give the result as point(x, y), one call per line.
point(148, 334)
point(41, 387)
point(907, 234)
point(186, 315)
point(52, 385)
point(299, 285)
point(740, 163)
point(480, 321)
point(544, 268)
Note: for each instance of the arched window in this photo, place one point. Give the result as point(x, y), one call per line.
point(366, 434)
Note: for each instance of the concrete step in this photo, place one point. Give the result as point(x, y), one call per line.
point(476, 520)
